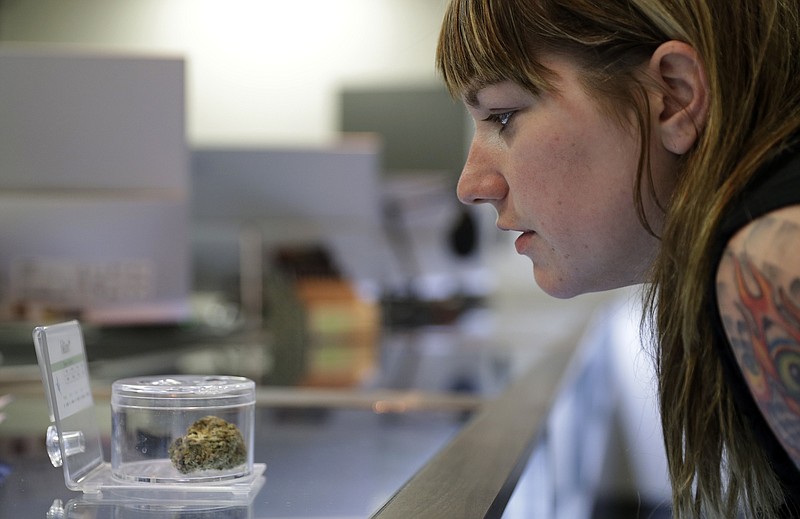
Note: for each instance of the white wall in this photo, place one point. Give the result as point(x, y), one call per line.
point(258, 71)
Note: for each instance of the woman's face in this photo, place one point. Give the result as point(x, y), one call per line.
point(560, 172)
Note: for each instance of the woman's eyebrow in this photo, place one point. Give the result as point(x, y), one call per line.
point(471, 97)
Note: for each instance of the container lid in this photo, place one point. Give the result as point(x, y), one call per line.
point(183, 391)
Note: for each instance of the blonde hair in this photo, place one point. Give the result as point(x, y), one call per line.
point(749, 49)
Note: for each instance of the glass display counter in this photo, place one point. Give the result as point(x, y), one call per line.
point(328, 452)
point(321, 462)
point(442, 394)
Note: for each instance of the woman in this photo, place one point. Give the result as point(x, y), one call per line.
point(654, 141)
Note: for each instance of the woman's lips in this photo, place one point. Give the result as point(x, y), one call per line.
point(522, 244)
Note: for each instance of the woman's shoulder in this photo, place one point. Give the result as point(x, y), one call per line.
point(758, 292)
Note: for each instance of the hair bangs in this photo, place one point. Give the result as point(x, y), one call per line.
point(481, 43)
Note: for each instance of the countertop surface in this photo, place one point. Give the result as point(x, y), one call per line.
point(335, 463)
point(328, 454)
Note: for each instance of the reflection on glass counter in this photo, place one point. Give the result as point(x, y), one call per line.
point(320, 462)
point(85, 509)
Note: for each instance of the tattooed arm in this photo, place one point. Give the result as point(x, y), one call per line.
point(758, 286)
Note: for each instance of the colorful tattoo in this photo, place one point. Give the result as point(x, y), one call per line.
point(766, 341)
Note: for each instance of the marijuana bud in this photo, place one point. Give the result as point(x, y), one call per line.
point(210, 443)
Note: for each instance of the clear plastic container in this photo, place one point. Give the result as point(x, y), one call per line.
point(182, 429)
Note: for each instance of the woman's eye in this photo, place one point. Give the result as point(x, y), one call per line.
point(502, 118)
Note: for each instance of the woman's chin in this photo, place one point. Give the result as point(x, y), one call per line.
point(555, 285)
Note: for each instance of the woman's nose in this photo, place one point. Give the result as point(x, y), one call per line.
point(481, 181)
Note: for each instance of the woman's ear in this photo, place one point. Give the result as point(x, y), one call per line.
point(683, 96)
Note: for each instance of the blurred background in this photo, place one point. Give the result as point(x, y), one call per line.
point(267, 188)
